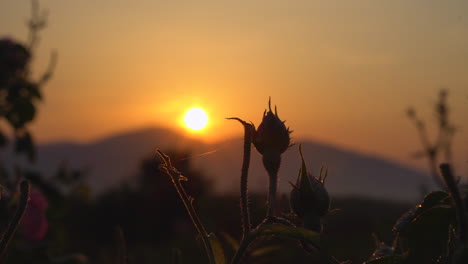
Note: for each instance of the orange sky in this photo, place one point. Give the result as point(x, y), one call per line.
point(340, 71)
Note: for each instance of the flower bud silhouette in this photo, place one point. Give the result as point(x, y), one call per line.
point(309, 199)
point(271, 139)
point(272, 134)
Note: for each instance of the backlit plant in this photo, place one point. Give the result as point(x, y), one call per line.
point(434, 231)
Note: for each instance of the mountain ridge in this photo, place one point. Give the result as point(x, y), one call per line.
point(115, 158)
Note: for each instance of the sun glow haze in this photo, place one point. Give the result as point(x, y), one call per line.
point(196, 119)
point(338, 71)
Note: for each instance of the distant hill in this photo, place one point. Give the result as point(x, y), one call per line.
point(350, 173)
point(116, 158)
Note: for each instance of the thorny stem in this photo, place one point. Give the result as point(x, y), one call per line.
point(176, 177)
point(244, 205)
point(443, 141)
point(459, 205)
point(272, 195)
point(433, 168)
point(15, 221)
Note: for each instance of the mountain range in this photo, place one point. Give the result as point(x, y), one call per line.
point(115, 159)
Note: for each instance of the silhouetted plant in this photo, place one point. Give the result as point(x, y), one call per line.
point(442, 144)
point(18, 97)
point(271, 139)
point(435, 231)
point(19, 94)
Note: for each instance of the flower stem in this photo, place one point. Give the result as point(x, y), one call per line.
point(271, 162)
point(176, 177)
point(244, 204)
point(11, 229)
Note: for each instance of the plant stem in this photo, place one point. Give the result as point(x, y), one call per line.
point(431, 150)
point(271, 162)
point(175, 176)
point(458, 202)
point(11, 229)
point(432, 159)
point(249, 238)
point(244, 204)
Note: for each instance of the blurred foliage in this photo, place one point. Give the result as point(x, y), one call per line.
point(19, 93)
point(31, 204)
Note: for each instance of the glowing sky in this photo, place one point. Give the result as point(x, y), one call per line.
point(340, 71)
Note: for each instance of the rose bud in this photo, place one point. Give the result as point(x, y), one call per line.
point(309, 199)
point(271, 134)
point(271, 139)
point(34, 222)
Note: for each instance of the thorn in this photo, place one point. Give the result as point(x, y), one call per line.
point(182, 178)
point(164, 158)
point(269, 103)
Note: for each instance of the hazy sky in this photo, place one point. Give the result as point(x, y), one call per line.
point(342, 72)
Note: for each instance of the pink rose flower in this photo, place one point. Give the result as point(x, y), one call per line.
point(34, 223)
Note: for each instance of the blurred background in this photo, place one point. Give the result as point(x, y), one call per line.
point(342, 74)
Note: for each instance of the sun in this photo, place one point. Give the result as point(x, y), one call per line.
point(196, 119)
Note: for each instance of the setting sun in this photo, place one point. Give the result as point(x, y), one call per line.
point(196, 119)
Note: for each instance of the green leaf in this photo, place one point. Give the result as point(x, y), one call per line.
point(437, 220)
point(428, 234)
point(218, 252)
point(387, 260)
point(433, 199)
point(265, 251)
point(232, 242)
point(291, 232)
